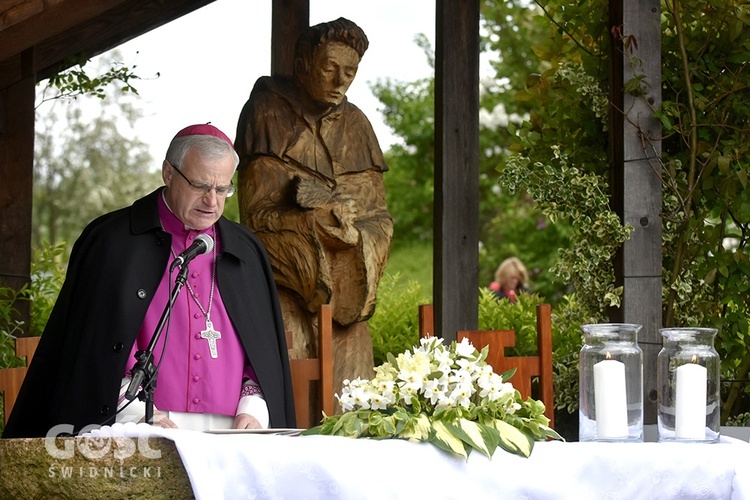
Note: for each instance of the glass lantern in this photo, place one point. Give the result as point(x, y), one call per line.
point(611, 384)
point(688, 383)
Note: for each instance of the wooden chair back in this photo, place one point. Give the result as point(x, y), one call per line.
point(314, 376)
point(426, 321)
point(12, 378)
point(527, 367)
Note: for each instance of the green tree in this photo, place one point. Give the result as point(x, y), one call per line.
point(84, 165)
point(704, 164)
point(705, 114)
point(509, 224)
point(409, 111)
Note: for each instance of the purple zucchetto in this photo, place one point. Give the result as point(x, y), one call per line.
point(204, 129)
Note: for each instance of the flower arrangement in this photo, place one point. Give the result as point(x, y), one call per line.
point(448, 396)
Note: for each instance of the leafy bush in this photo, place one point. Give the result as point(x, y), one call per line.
point(566, 192)
point(395, 325)
point(10, 327)
point(47, 275)
point(566, 337)
point(504, 315)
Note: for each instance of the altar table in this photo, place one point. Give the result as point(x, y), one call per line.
point(264, 466)
point(259, 466)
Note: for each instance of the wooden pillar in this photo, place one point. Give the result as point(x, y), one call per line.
point(289, 18)
point(16, 179)
point(456, 225)
point(636, 189)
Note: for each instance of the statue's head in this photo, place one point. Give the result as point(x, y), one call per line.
point(326, 58)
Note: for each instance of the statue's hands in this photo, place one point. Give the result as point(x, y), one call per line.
point(337, 224)
point(334, 215)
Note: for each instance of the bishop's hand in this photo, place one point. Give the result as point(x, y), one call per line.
point(246, 421)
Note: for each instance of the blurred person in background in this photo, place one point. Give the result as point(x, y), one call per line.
point(511, 278)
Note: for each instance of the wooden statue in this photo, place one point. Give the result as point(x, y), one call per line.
point(311, 188)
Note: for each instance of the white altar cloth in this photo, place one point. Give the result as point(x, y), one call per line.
point(256, 466)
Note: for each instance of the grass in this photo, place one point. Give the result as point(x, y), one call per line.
point(412, 263)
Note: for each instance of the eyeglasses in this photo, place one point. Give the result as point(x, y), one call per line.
point(204, 188)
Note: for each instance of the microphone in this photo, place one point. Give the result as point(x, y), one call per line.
point(203, 244)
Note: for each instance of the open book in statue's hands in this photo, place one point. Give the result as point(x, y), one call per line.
point(311, 193)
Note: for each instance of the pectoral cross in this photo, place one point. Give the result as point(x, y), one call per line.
point(212, 336)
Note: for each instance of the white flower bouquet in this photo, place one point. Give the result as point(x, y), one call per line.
point(448, 396)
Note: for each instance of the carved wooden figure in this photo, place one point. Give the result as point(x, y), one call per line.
point(311, 188)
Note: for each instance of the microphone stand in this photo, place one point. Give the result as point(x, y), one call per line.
point(144, 371)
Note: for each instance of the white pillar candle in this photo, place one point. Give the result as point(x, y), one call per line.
point(690, 401)
point(610, 400)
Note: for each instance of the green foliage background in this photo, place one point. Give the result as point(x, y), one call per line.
point(544, 144)
point(705, 116)
point(84, 165)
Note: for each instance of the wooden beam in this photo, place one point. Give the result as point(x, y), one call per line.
point(88, 31)
point(16, 11)
point(48, 21)
point(636, 189)
point(16, 179)
point(288, 19)
point(456, 271)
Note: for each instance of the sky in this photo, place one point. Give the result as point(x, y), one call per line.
point(208, 61)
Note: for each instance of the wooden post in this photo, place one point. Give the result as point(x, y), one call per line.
point(16, 178)
point(456, 272)
point(289, 18)
point(636, 189)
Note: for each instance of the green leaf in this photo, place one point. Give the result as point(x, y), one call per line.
point(742, 177)
point(478, 436)
point(512, 440)
point(312, 431)
point(391, 359)
point(551, 433)
point(633, 86)
point(418, 429)
point(665, 122)
point(442, 437)
point(724, 163)
point(507, 375)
